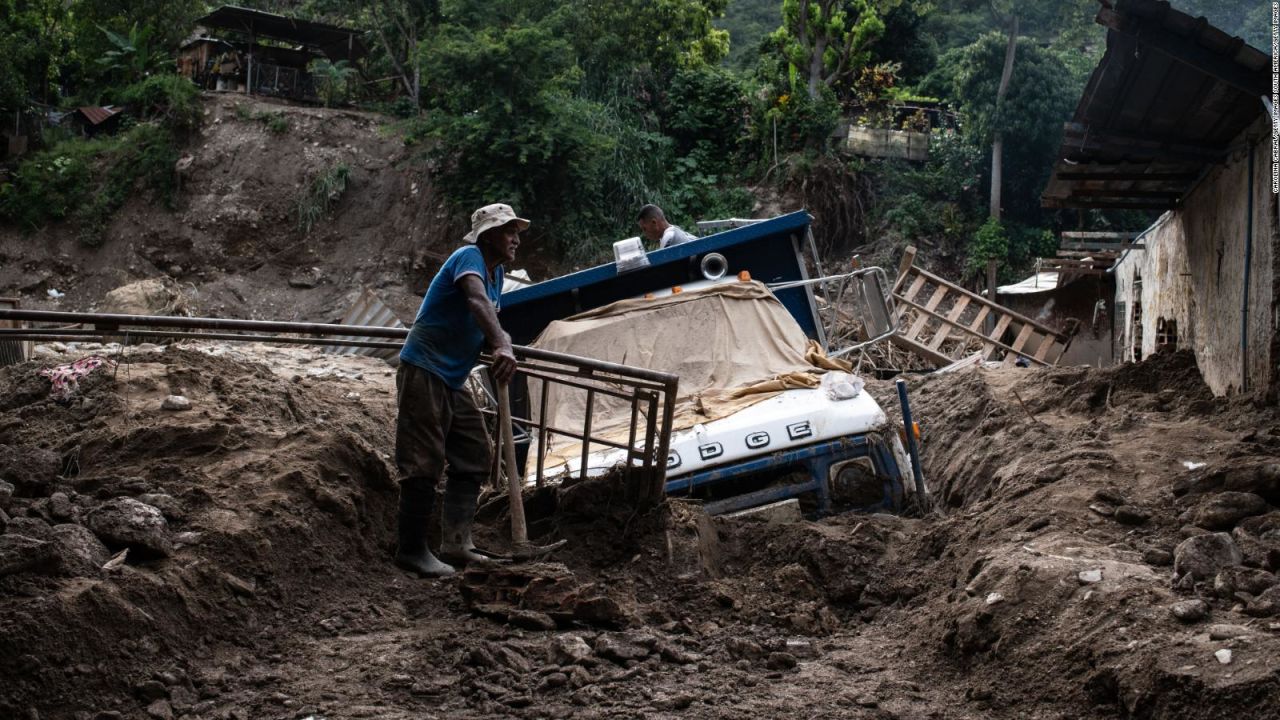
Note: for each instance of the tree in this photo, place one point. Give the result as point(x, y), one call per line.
point(333, 79)
point(828, 40)
point(132, 57)
point(400, 26)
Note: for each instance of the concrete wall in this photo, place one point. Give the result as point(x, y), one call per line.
point(1192, 272)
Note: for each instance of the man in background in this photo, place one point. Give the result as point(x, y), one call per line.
point(654, 226)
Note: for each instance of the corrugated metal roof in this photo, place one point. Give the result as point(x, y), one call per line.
point(336, 42)
point(98, 115)
point(1168, 97)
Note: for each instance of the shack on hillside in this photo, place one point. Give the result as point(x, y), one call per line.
point(264, 53)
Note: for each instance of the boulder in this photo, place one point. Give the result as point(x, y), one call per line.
point(79, 550)
point(60, 507)
point(570, 650)
point(1261, 479)
point(1190, 611)
point(619, 650)
point(19, 553)
point(1223, 510)
point(31, 527)
point(6, 494)
point(145, 297)
point(1202, 556)
point(1132, 515)
point(31, 470)
point(166, 504)
point(128, 523)
point(1267, 604)
point(1238, 578)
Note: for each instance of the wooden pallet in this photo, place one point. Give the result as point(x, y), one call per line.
point(944, 323)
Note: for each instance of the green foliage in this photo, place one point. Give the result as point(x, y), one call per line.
point(131, 56)
point(88, 180)
point(171, 100)
point(828, 41)
point(333, 80)
point(276, 122)
point(991, 242)
point(320, 195)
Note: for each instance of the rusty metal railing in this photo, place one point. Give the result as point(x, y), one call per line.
point(651, 395)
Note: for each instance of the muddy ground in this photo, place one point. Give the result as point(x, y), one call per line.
point(1077, 509)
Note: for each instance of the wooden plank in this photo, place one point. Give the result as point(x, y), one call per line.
point(1043, 351)
point(1000, 326)
point(1095, 254)
point(1077, 262)
point(983, 312)
point(920, 350)
point(1023, 336)
point(921, 321)
point(1116, 247)
point(993, 339)
point(1074, 271)
point(1098, 235)
point(996, 307)
point(904, 267)
point(914, 289)
point(944, 330)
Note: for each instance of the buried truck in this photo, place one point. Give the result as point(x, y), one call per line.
point(767, 409)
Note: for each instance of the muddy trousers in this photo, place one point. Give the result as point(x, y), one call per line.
point(436, 427)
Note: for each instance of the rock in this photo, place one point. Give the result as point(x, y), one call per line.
point(79, 550)
point(867, 701)
point(552, 681)
point(1111, 496)
point(531, 620)
point(306, 278)
point(31, 471)
point(19, 553)
point(6, 494)
point(4, 521)
point(741, 647)
point(1267, 604)
point(673, 653)
point(570, 650)
point(1224, 656)
point(239, 586)
point(32, 527)
point(128, 523)
point(166, 504)
point(1202, 556)
point(1158, 557)
point(781, 661)
point(1223, 510)
point(160, 710)
point(619, 650)
point(144, 297)
point(1223, 631)
point(1190, 611)
point(801, 648)
point(1262, 479)
point(60, 507)
point(1039, 523)
point(1132, 515)
point(175, 402)
point(1103, 510)
point(1238, 578)
point(1088, 577)
point(995, 598)
point(149, 690)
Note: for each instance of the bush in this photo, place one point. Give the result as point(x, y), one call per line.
point(169, 99)
point(88, 180)
point(990, 243)
point(321, 194)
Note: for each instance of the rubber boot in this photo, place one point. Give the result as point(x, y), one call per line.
point(456, 518)
point(412, 553)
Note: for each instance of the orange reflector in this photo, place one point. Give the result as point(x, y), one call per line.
point(915, 428)
point(744, 276)
point(677, 290)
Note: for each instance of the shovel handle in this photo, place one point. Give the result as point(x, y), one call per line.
point(515, 483)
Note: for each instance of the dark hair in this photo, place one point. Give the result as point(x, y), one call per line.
point(649, 212)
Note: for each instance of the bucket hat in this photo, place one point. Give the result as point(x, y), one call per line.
point(492, 216)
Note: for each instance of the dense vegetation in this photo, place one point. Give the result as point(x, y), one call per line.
point(578, 113)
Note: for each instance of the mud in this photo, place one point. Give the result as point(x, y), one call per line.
point(1028, 593)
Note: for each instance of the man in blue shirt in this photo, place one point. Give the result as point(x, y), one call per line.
point(438, 421)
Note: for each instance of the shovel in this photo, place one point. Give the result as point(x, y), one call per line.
point(521, 548)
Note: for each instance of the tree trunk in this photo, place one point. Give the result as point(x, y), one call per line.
point(997, 144)
point(815, 67)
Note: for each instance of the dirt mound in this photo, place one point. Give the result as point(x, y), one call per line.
point(1087, 561)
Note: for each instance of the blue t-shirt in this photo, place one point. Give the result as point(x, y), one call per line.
point(445, 338)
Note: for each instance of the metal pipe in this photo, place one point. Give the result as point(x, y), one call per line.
point(77, 335)
point(115, 321)
point(909, 426)
point(1248, 267)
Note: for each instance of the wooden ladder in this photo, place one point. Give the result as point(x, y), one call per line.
point(940, 311)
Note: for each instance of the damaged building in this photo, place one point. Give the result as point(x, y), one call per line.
point(1176, 117)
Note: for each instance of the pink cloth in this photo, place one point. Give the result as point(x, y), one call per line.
point(66, 378)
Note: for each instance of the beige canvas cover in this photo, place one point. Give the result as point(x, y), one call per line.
point(732, 345)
